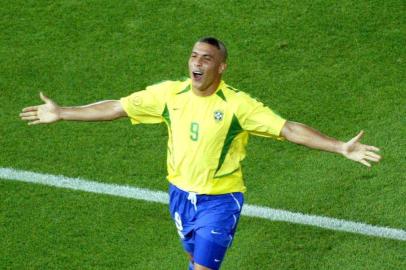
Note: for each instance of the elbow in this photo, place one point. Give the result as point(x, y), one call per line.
point(117, 110)
point(291, 132)
point(287, 130)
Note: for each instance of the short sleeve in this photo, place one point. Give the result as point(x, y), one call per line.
point(146, 106)
point(258, 119)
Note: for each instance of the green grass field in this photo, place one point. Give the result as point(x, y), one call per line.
point(337, 66)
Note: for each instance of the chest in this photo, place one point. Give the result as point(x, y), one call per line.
point(200, 119)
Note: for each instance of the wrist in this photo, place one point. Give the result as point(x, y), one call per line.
point(340, 148)
point(62, 113)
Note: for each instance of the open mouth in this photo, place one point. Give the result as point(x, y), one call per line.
point(197, 75)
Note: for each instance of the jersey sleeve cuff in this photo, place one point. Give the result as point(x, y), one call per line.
point(126, 104)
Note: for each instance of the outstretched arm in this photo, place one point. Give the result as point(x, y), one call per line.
point(50, 112)
point(353, 149)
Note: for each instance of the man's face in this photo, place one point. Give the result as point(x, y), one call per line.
point(206, 66)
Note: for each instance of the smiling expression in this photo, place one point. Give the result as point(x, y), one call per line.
point(206, 66)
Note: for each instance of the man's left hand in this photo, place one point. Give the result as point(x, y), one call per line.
point(359, 152)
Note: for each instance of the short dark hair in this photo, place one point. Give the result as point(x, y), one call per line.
point(216, 43)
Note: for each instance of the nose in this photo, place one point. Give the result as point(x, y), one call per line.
point(198, 61)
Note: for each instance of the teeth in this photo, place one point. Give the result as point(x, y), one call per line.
point(198, 72)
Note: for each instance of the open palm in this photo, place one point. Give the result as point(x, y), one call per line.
point(359, 152)
point(41, 114)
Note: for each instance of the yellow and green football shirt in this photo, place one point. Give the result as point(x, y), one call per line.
point(207, 135)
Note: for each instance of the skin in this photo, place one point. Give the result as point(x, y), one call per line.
point(210, 61)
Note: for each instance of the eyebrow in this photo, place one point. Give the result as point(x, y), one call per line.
point(204, 55)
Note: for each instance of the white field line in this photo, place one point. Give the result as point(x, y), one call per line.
point(162, 197)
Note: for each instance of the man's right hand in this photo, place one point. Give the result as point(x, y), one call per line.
point(41, 114)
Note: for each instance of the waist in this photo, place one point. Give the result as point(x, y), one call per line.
point(208, 186)
point(172, 188)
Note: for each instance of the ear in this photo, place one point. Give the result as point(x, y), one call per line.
point(222, 68)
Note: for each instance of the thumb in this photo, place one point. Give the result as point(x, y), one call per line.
point(44, 98)
point(358, 137)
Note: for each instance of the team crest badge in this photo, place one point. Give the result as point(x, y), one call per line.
point(218, 115)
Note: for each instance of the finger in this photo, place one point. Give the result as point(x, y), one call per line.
point(373, 155)
point(374, 159)
point(34, 122)
point(358, 137)
point(28, 114)
point(30, 118)
point(365, 163)
point(29, 109)
point(44, 98)
point(372, 148)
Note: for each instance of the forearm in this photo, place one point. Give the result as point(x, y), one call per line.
point(100, 111)
point(309, 137)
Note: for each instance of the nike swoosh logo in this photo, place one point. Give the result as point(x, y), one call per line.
point(214, 232)
point(216, 260)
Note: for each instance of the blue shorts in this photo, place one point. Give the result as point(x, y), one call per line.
point(206, 223)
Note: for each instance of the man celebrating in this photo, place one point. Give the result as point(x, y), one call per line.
point(208, 124)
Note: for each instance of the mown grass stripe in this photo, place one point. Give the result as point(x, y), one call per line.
point(162, 197)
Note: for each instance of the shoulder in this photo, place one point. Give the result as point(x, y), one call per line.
point(169, 86)
point(242, 103)
point(236, 96)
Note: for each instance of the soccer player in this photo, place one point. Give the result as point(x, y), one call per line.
point(208, 124)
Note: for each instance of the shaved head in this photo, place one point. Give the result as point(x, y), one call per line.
point(216, 43)
point(207, 62)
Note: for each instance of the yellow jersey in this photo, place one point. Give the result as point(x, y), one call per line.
point(207, 135)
